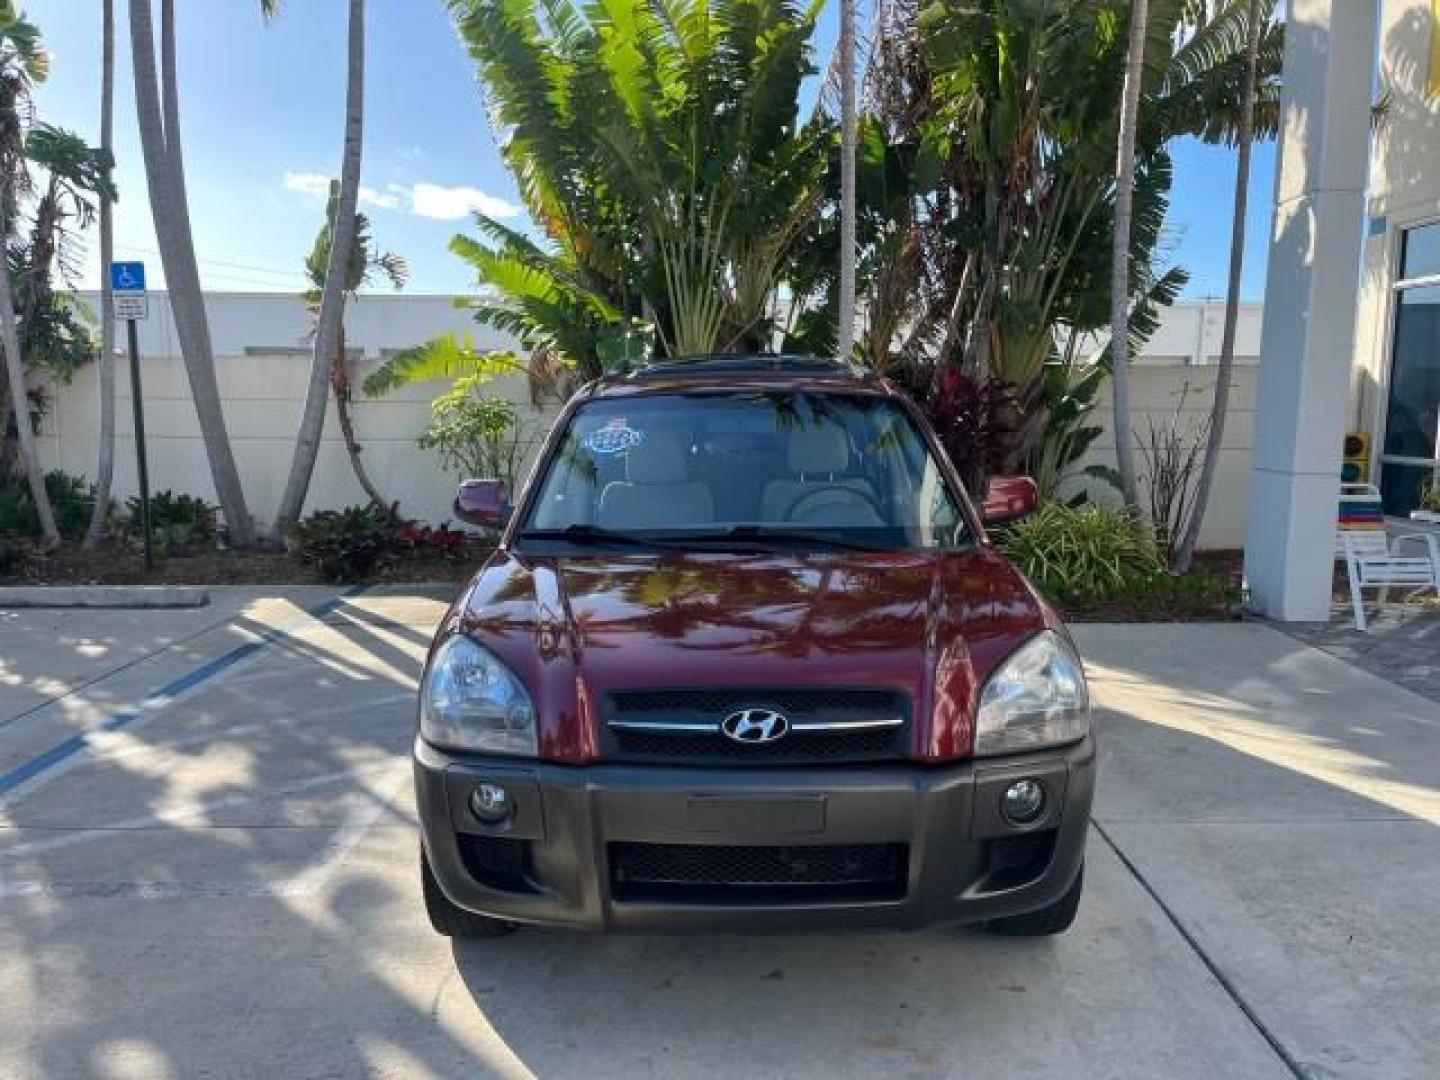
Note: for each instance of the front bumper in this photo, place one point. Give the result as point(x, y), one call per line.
point(557, 860)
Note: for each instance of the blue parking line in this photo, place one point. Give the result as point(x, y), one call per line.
point(115, 721)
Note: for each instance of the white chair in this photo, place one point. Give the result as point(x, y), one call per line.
point(1373, 560)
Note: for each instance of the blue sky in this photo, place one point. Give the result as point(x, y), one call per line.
point(262, 117)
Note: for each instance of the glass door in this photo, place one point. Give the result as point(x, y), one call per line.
point(1410, 456)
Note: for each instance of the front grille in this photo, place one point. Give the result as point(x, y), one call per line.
point(725, 873)
point(696, 715)
point(797, 748)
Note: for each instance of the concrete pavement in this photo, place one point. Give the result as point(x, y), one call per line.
point(225, 884)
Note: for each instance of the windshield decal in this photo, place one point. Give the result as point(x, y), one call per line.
point(616, 437)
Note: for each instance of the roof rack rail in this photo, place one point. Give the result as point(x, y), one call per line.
point(721, 363)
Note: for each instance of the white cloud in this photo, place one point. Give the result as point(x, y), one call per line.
point(422, 200)
point(453, 203)
point(386, 200)
point(311, 184)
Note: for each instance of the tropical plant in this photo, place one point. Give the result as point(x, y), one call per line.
point(23, 62)
point(1084, 553)
point(335, 283)
point(987, 186)
point(69, 495)
point(178, 522)
point(659, 149)
point(1072, 395)
point(51, 182)
point(1260, 13)
point(346, 545)
point(364, 264)
point(105, 465)
point(477, 434)
point(566, 330)
point(1170, 454)
point(157, 103)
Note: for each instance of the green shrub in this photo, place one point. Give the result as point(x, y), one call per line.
point(71, 497)
point(476, 435)
point(12, 556)
point(1083, 553)
point(178, 522)
point(1201, 590)
point(1430, 498)
point(346, 545)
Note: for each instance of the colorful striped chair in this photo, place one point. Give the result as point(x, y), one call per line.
point(1371, 560)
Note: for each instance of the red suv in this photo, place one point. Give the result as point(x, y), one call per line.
point(745, 658)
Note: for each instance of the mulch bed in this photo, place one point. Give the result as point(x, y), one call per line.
point(123, 566)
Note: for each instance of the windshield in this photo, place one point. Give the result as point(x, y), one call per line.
point(808, 467)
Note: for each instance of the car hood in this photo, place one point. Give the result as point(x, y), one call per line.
point(577, 628)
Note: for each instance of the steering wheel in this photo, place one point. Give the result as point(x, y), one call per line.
point(829, 496)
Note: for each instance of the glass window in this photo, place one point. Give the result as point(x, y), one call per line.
point(1414, 375)
point(683, 467)
point(1420, 252)
point(1401, 485)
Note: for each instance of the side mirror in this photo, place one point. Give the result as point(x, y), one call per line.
point(482, 502)
point(1008, 498)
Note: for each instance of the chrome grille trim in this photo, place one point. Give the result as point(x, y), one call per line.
point(828, 725)
point(680, 727)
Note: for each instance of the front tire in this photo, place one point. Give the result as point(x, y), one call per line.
point(450, 920)
point(1054, 919)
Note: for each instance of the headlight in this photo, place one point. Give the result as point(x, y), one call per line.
point(471, 701)
point(1036, 698)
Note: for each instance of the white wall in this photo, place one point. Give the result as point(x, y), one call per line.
point(263, 362)
point(1155, 395)
point(1190, 333)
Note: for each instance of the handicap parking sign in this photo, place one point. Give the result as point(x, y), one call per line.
point(127, 276)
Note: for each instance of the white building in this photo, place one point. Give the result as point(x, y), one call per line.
point(1351, 336)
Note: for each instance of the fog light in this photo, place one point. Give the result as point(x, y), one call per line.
point(1023, 802)
point(490, 803)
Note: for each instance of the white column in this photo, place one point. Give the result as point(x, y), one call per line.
point(1311, 294)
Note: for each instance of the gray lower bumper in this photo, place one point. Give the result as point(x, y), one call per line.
point(566, 820)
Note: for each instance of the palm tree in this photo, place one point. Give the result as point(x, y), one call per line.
point(23, 62)
point(1259, 11)
point(360, 267)
point(164, 176)
point(329, 330)
point(74, 176)
point(1120, 252)
point(846, 339)
point(566, 327)
point(105, 466)
point(659, 146)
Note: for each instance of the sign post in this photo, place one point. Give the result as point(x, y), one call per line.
point(129, 302)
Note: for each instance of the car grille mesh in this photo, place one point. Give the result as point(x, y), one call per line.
point(724, 867)
point(706, 707)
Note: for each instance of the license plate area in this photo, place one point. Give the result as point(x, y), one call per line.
point(755, 815)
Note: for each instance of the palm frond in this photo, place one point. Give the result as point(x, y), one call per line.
point(445, 357)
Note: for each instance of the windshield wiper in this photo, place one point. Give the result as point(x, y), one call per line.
point(587, 535)
point(776, 536)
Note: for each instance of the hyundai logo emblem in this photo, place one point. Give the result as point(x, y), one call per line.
point(755, 726)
